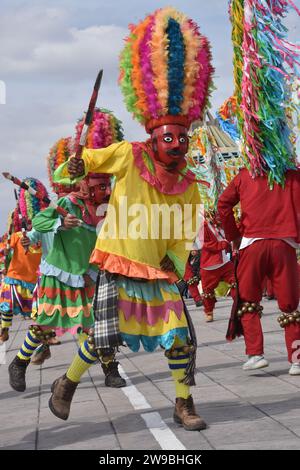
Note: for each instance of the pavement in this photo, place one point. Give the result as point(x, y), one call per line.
point(244, 410)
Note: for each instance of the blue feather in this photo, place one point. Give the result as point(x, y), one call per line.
point(176, 60)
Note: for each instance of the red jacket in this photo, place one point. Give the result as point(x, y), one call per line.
point(211, 253)
point(265, 213)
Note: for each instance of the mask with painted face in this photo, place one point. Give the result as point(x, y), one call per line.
point(99, 188)
point(170, 144)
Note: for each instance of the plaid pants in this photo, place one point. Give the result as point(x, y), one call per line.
point(107, 333)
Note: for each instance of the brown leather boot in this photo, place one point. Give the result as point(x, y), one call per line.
point(4, 335)
point(185, 414)
point(60, 401)
point(41, 355)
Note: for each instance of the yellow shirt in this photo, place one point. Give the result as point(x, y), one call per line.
point(131, 230)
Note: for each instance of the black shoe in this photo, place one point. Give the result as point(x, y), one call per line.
point(17, 371)
point(112, 376)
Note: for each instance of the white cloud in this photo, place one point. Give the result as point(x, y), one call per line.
point(74, 57)
point(22, 28)
point(45, 44)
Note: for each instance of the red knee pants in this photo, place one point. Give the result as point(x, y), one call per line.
point(210, 280)
point(277, 260)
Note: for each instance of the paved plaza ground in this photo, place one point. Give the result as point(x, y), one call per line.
point(244, 410)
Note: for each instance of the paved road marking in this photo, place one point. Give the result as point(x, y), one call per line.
point(135, 397)
point(158, 428)
point(2, 353)
point(161, 432)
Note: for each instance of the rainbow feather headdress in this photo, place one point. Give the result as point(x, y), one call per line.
point(264, 64)
point(31, 205)
point(105, 130)
point(165, 70)
point(13, 221)
point(59, 153)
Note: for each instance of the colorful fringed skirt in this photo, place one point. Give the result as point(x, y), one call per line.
point(16, 296)
point(150, 313)
point(34, 310)
point(64, 308)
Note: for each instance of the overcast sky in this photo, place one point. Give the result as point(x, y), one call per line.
point(50, 54)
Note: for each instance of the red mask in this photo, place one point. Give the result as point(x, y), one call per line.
point(99, 189)
point(170, 144)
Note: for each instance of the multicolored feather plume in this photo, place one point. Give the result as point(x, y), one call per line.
point(31, 205)
point(165, 68)
point(104, 130)
point(59, 153)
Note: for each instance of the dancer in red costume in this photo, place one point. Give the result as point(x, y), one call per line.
point(268, 248)
point(268, 189)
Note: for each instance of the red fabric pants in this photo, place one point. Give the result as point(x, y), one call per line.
point(276, 260)
point(193, 289)
point(210, 280)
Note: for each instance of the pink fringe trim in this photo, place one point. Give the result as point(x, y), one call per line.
point(61, 331)
point(150, 313)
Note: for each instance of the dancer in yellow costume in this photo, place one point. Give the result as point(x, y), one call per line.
point(165, 76)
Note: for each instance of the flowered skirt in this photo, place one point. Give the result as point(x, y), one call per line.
point(150, 314)
point(16, 296)
point(64, 308)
